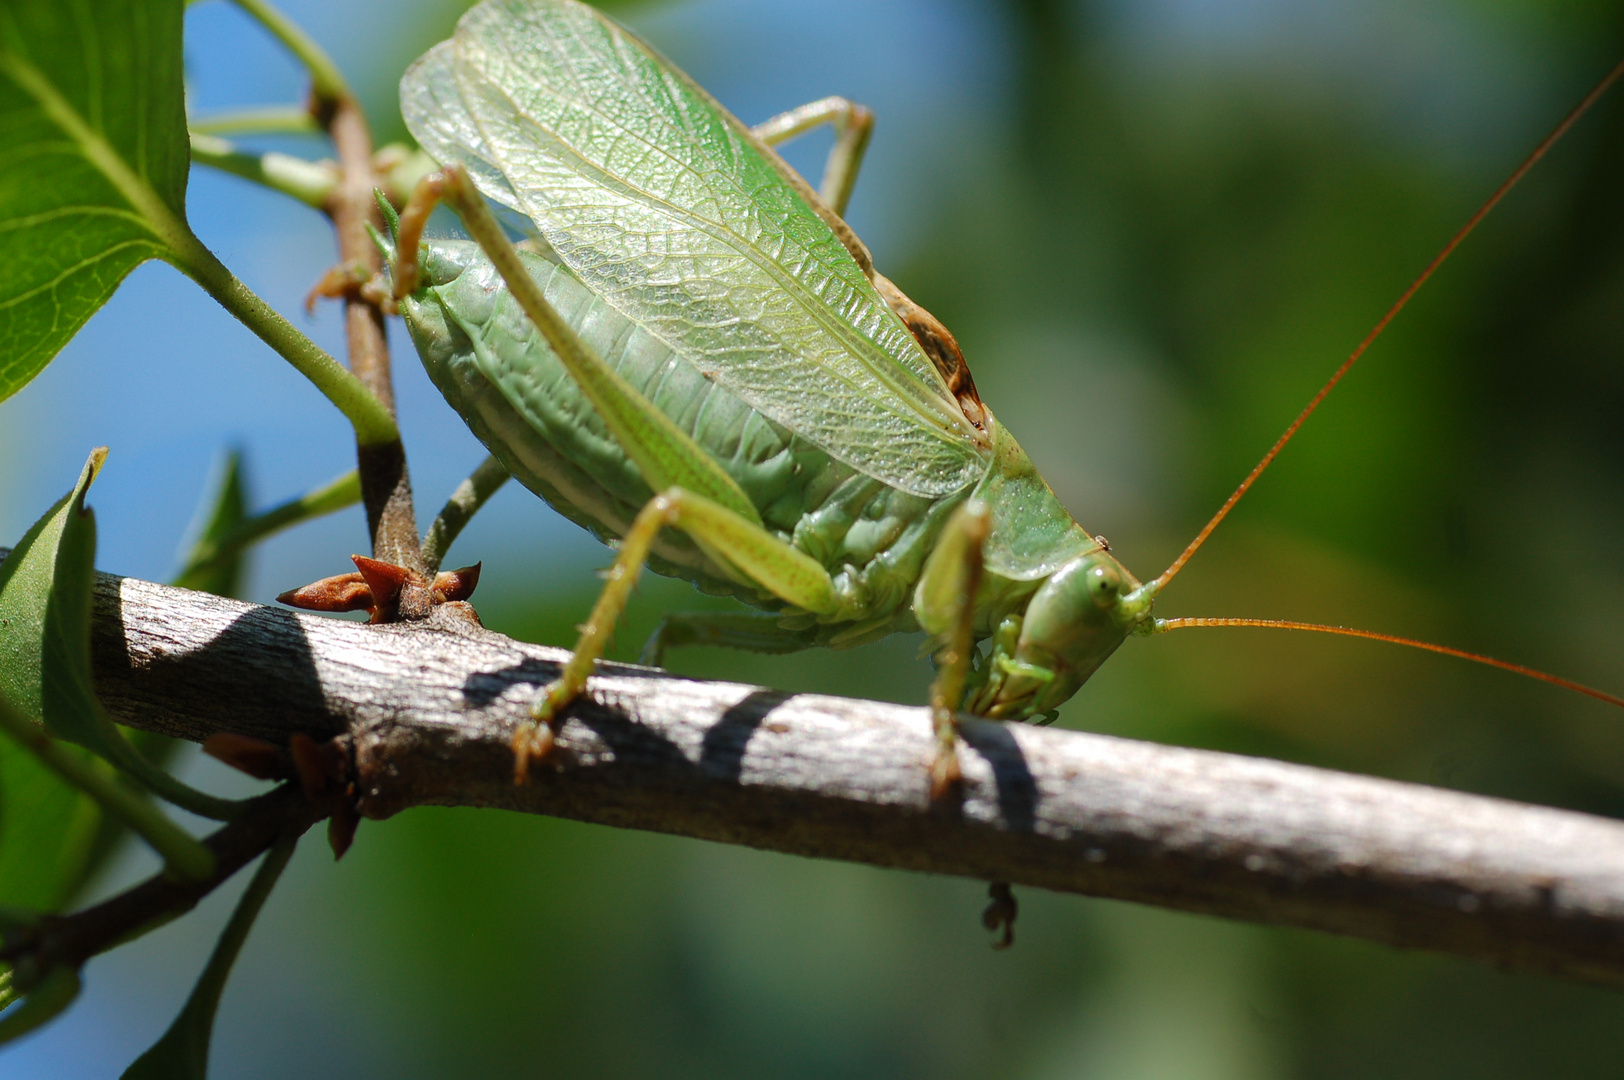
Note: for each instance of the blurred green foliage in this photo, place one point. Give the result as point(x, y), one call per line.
point(1184, 216)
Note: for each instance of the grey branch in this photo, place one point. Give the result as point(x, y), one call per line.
point(428, 714)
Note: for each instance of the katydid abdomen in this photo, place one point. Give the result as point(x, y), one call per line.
point(872, 538)
point(511, 389)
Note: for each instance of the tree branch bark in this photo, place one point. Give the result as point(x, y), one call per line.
point(427, 713)
point(386, 485)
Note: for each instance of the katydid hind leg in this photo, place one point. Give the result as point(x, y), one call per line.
point(752, 551)
point(853, 124)
point(664, 454)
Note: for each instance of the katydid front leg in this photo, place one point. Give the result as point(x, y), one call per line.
point(944, 601)
point(746, 547)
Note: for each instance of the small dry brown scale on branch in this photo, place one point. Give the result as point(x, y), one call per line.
point(322, 769)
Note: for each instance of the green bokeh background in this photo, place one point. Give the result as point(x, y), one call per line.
point(1157, 231)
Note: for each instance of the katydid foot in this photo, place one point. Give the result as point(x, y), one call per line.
point(945, 773)
point(535, 739)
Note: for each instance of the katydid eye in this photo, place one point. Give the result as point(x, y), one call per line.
point(1104, 583)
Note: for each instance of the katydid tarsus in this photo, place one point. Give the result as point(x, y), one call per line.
point(694, 356)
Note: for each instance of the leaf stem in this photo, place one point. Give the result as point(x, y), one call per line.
point(464, 503)
point(310, 182)
point(268, 120)
point(184, 1048)
point(325, 81)
point(341, 493)
point(184, 855)
point(373, 423)
point(123, 753)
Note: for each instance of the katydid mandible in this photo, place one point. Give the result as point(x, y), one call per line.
point(694, 356)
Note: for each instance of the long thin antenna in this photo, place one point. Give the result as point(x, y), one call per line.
point(1449, 248)
point(1348, 631)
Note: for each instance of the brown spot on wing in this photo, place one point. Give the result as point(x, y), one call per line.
point(939, 345)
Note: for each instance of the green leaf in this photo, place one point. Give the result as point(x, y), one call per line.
point(45, 600)
point(183, 1051)
point(68, 837)
point(184, 856)
point(45, 620)
point(45, 1000)
point(224, 541)
point(46, 855)
point(45, 676)
point(221, 575)
point(52, 833)
point(93, 164)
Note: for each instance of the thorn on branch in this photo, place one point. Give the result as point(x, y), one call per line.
point(260, 759)
point(391, 593)
point(328, 780)
point(323, 769)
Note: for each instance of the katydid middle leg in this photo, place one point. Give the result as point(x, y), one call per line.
point(747, 548)
point(747, 631)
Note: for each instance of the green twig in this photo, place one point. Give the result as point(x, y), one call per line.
point(372, 422)
point(343, 492)
point(268, 120)
point(464, 503)
point(123, 753)
point(310, 182)
point(325, 81)
point(183, 854)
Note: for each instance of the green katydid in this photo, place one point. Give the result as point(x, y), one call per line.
point(694, 355)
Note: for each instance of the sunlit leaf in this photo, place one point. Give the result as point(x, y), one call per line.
point(46, 855)
point(93, 163)
point(45, 676)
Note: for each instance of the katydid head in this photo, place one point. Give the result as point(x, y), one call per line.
point(1072, 624)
